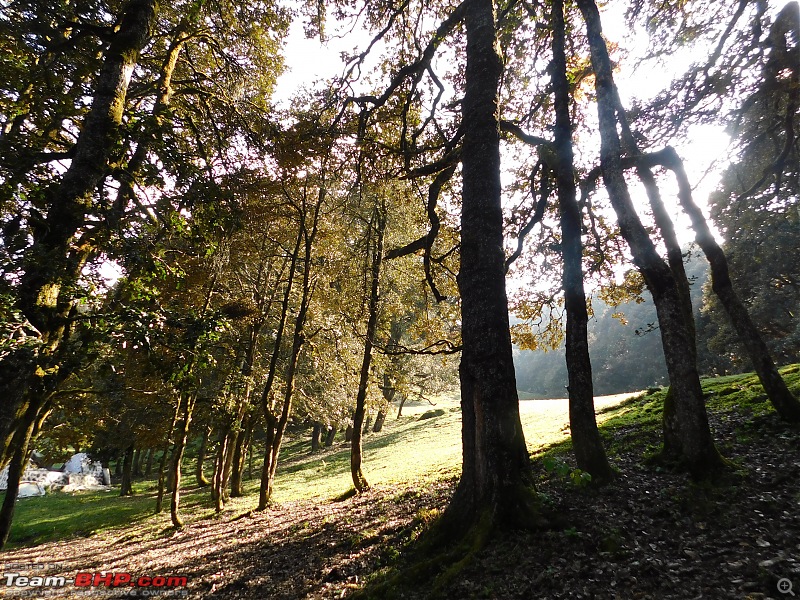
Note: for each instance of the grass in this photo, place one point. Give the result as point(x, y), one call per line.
point(58, 515)
point(409, 451)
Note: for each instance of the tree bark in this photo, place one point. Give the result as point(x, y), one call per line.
point(181, 436)
point(202, 480)
point(136, 471)
point(128, 459)
point(265, 489)
point(316, 436)
point(377, 229)
point(331, 437)
point(672, 443)
point(379, 420)
point(162, 476)
point(16, 467)
point(240, 458)
point(403, 399)
point(586, 441)
point(56, 257)
point(148, 467)
point(218, 480)
point(270, 421)
point(689, 420)
point(496, 466)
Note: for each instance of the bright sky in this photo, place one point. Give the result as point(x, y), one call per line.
point(308, 60)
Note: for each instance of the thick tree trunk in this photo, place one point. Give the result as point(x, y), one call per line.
point(53, 263)
point(672, 443)
point(379, 421)
point(586, 441)
point(16, 467)
point(348, 433)
point(316, 436)
point(331, 437)
point(202, 481)
point(56, 257)
point(496, 465)
point(689, 419)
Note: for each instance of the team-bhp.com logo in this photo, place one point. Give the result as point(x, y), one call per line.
point(95, 580)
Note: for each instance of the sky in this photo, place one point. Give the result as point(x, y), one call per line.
point(704, 153)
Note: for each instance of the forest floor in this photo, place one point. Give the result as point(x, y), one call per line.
point(653, 533)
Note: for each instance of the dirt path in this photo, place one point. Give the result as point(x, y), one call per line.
point(298, 549)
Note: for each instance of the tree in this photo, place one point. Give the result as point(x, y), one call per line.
point(60, 249)
point(495, 463)
point(686, 430)
point(586, 440)
point(377, 229)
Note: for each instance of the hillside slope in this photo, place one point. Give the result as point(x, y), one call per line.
point(651, 534)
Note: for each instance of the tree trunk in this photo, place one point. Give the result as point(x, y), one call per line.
point(586, 441)
point(379, 420)
point(148, 468)
point(367, 425)
point(136, 469)
point(348, 433)
point(786, 405)
point(128, 460)
point(240, 458)
point(689, 421)
point(265, 490)
point(181, 436)
point(672, 443)
point(403, 399)
point(202, 481)
point(162, 475)
point(308, 235)
point(16, 467)
point(496, 465)
point(331, 437)
point(56, 258)
point(224, 464)
point(377, 229)
point(316, 436)
point(218, 480)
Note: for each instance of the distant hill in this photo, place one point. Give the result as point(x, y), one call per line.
point(622, 360)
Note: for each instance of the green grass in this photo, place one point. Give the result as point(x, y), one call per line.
point(58, 515)
point(409, 451)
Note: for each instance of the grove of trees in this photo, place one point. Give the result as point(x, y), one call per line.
point(312, 263)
